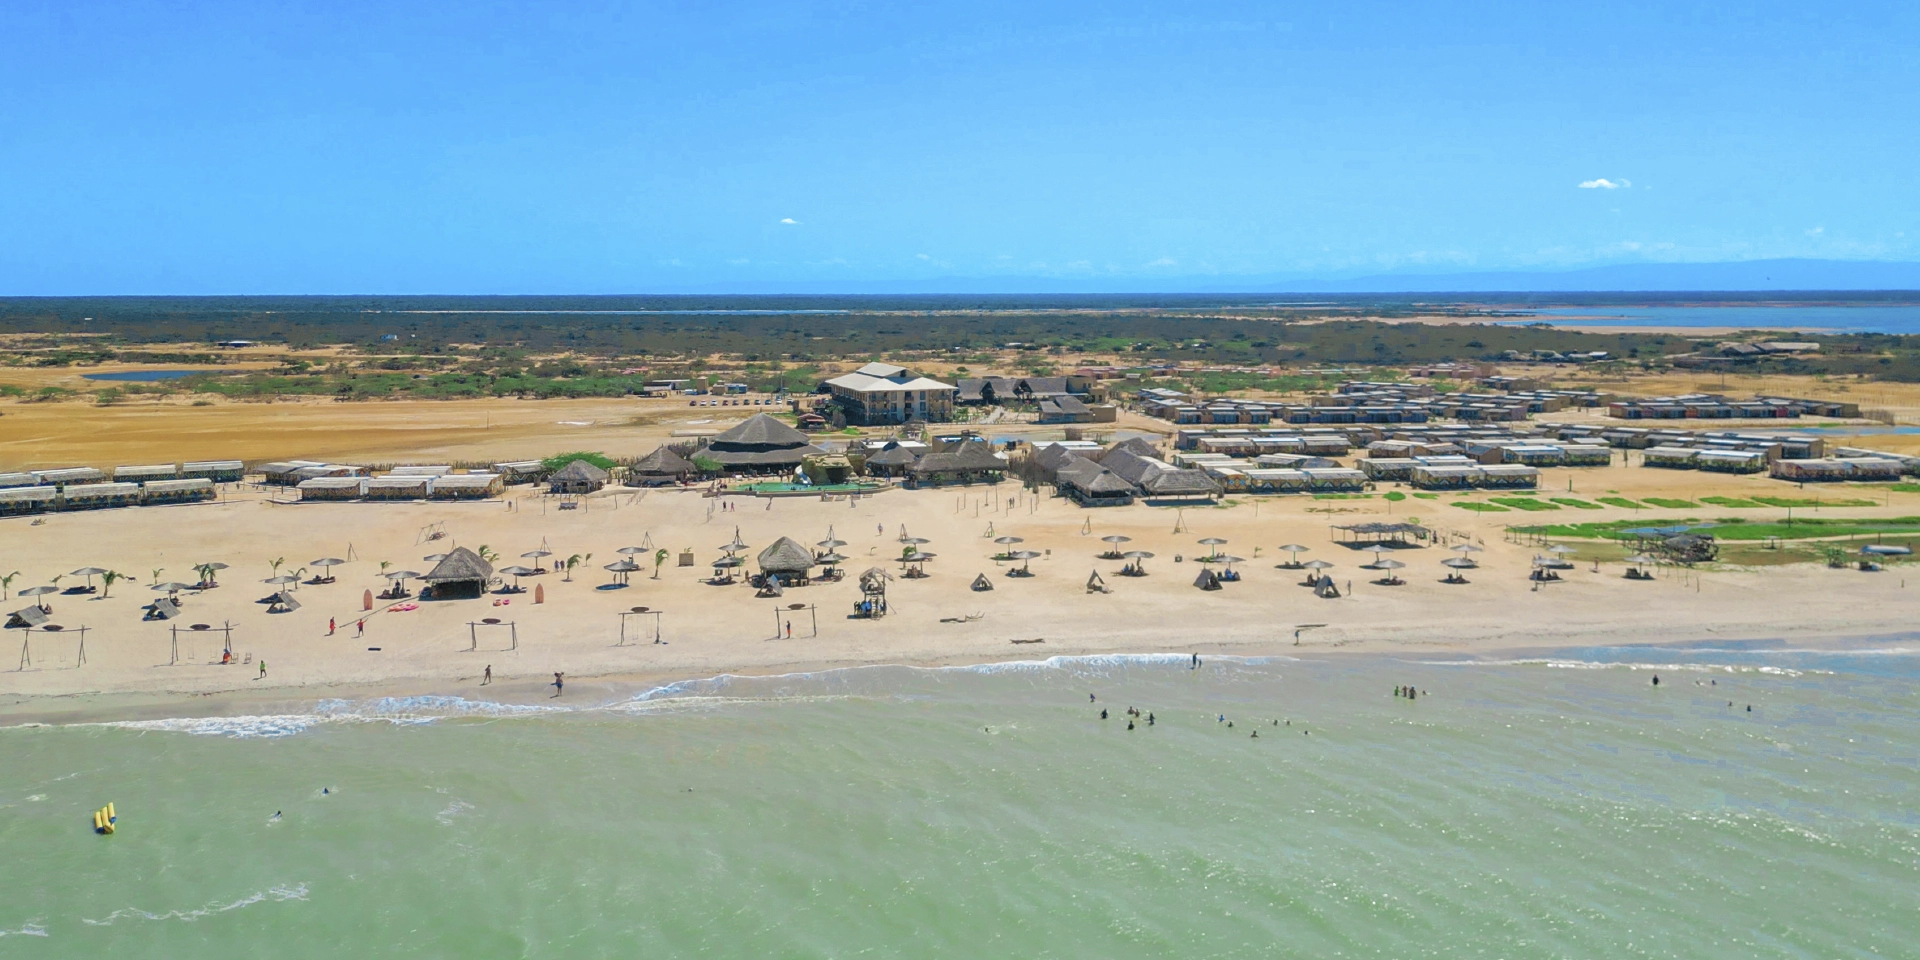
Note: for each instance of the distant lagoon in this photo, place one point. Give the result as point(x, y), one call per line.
point(1829, 319)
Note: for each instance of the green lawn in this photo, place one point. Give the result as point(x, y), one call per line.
point(1343, 496)
point(1620, 502)
point(1740, 530)
point(1576, 504)
point(1525, 503)
point(1479, 507)
point(1428, 496)
point(1804, 502)
point(1732, 502)
point(1672, 504)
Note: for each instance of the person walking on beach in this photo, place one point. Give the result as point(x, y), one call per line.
point(359, 629)
point(263, 671)
point(487, 677)
point(789, 629)
point(329, 626)
point(559, 684)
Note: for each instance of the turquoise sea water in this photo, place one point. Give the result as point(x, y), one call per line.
point(1529, 808)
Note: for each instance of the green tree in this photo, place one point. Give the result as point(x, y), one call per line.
point(659, 560)
point(6, 583)
point(594, 457)
point(108, 579)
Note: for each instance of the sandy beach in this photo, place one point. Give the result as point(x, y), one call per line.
point(710, 629)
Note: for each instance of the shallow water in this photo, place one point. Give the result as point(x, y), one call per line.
point(1552, 807)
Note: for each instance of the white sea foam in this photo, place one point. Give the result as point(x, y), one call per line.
point(454, 811)
point(32, 928)
point(277, 894)
point(1560, 664)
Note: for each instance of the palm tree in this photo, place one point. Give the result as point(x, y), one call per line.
point(157, 571)
point(570, 563)
point(206, 572)
point(659, 557)
point(486, 553)
point(275, 564)
point(384, 564)
point(6, 582)
point(107, 580)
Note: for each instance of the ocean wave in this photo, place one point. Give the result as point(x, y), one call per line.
point(32, 928)
point(1566, 664)
point(277, 894)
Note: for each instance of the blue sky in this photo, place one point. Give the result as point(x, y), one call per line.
point(497, 147)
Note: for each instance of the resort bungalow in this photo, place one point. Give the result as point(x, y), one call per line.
point(466, 486)
point(659, 468)
point(1177, 484)
point(787, 559)
point(92, 496)
point(1587, 455)
point(158, 471)
point(18, 480)
point(397, 486)
point(577, 477)
point(420, 471)
point(219, 471)
point(1444, 477)
point(1387, 468)
point(1276, 480)
point(330, 488)
point(188, 490)
point(65, 477)
point(966, 463)
point(1821, 470)
point(893, 462)
point(1096, 486)
point(515, 472)
point(1330, 479)
point(1666, 456)
point(1507, 476)
point(284, 473)
point(327, 470)
point(15, 501)
point(1731, 461)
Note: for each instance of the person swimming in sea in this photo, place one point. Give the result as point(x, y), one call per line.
point(1149, 718)
point(1129, 724)
point(1103, 713)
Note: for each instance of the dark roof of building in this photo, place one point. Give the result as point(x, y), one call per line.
point(967, 457)
point(1181, 483)
point(1075, 466)
point(786, 555)
point(761, 430)
point(893, 457)
point(1100, 481)
point(1052, 456)
point(460, 564)
point(1131, 467)
point(663, 461)
point(1137, 446)
point(580, 471)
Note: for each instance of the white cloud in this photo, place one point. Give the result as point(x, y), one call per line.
point(922, 256)
point(1604, 184)
point(1163, 262)
point(789, 221)
point(738, 261)
point(1816, 231)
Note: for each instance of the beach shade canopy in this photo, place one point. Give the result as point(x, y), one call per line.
point(518, 571)
point(89, 573)
point(831, 558)
point(729, 562)
point(1466, 548)
point(37, 591)
point(1458, 563)
point(735, 547)
point(1214, 542)
point(400, 574)
point(284, 578)
point(1317, 565)
point(618, 566)
point(1295, 548)
point(1561, 548)
point(917, 557)
point(326, 562)
point(631, 551)
point(915, 540)
point(1389, 564)
point(1229, 560)
point(1006, 540)
point(536, 554)
point(171, 586)
point(435, 557)
point(212, 565)
point(461, 565)
point(1116, 538)
point(1138, 555)
point(829, 543)
point(1024, 554)
point(1378, 549)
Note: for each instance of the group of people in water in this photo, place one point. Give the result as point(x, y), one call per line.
point(1408, 692)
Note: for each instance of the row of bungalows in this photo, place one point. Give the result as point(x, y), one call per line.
point(1449, 474)
point(1713, 406)
point(1321, 443)
point(399, 486)
point(1541, 453)
point(15, 501)
point(1910, 463)
point(1836, 468)
point(516, 472)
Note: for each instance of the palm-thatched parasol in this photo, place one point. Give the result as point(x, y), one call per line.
point(1026, 560)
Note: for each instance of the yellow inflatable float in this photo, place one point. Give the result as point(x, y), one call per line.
point(103, 819)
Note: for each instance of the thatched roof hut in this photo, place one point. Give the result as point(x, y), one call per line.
point(760, 443)
point(1133, 445)
point(892, 461)
point(786, 557)
point(460, 569)
point(660, 466)
point(1180, 484)
point(968, 461)
point(578, 477)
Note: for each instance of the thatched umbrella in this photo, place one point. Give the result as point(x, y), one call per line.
point(40, 591)
point(1378, 550)
point(171, 587)
point(211, 567)
point(1138, 569)
point(1115, 540)
point(1314, 568)
point(536, 556)
point(622, 569)
point(1214, 542)
point(436, 557)
point(831, 559)
point(89, 573)
point(1455, 565)
point(1296, 550)
point(1390, 566)
point(786, 559)
point(631, 551)
point(1026, 560)
point(918, 559)
point(282, 580)
point(516, 572)
point(1229, 560)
